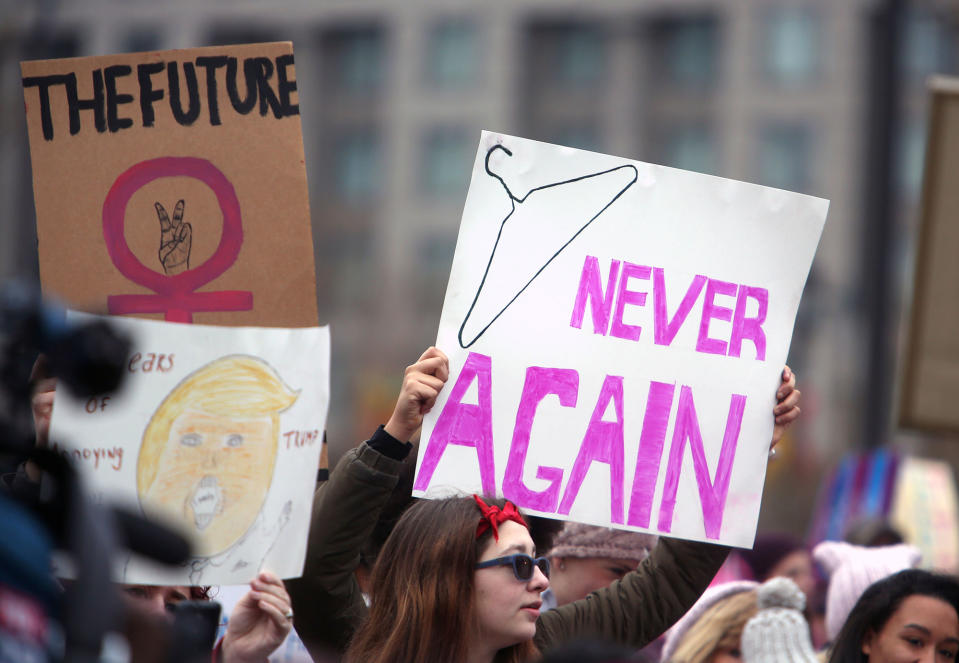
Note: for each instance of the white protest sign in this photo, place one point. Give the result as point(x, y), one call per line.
point(616, 333)
point(216, 431)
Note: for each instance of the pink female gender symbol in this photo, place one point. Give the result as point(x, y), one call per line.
point(176, 297)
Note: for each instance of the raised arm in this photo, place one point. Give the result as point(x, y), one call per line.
point(327, 602)
point(637, 609)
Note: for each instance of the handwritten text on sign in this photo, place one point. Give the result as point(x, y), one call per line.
point(216, 432)
point(602, 319)
point(172, 183)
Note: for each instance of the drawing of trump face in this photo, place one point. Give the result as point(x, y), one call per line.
point(209, 451)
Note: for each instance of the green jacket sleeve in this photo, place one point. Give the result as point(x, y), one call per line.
point(327, 602)
point(637, 609)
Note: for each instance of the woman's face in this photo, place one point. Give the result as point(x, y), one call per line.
point(574, 578)
point(156, 599)
point(797, 566)
point(725, 655)
point(923, 629)
point(507, 608)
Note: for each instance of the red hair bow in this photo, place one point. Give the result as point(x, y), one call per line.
point(493, 516)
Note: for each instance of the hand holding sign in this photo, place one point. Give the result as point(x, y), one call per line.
point(787, 406)
point(421, 385)
point(176, 239)
point(259, 622)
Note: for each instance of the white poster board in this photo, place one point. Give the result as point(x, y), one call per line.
point(616, 333)
point(216, 431)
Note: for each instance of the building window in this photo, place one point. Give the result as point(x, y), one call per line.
point(447, 163)
point(689, 50)
point(785, 157)
point(53, 47)
point(142, 40)
point(452, 54)
point(910, 159)
point(791, 45)
point(240, 34)
point(690, 148)
point(356, 166)
point(580, 137)
point(929, 44)
point(356, 59)
point(580, 56)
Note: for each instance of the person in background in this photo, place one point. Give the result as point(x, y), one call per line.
point(781, 555)
point(778, 633)
point(259, 623)
point(777, 555)
point(585, 558)
point(912, 615)
point(851, 569)
point(711, 631)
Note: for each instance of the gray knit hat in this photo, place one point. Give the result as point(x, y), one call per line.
point(579, 540)
point(778, 633)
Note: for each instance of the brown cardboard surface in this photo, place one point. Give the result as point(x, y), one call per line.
point(930, 375)
point(241, 176)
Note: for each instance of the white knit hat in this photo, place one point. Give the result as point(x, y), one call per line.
point(852, 569)
point(778, 633)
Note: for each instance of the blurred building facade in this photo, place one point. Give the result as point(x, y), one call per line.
point(393, 97)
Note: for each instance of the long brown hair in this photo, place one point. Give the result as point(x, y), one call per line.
point(421, 602)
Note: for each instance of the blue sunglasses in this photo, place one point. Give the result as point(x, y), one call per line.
point(523, 565)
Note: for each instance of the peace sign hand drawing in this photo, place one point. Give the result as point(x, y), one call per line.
point(176, 238)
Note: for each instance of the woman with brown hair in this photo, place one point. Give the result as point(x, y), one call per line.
point(458, 579)
point(433, 599)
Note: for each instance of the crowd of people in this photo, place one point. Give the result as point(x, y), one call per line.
point(389, 578)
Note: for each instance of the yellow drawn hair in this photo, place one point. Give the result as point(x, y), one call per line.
point(235, 385)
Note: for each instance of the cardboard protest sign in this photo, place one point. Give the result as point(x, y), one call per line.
point(616, 333)
point(217, 432)
point(172, 184)
point(930, 369)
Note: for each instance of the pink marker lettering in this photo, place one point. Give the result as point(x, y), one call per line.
point(664, 329)
point(465, 425)
point(590, 287)
point(626, 296)
point(603, 442)
point(712, 310)
point(750, 328)
point(712, 492)
point(650, 452)
point(540, 382)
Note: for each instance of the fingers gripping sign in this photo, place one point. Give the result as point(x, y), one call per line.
point(421, 385)
point(176, 239)
point(260, 621)
point(787, 406)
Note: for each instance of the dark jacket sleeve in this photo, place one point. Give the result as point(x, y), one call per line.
point(327, 602)
point(637, 609)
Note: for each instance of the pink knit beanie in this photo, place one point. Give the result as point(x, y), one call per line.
point(579, 540)
point(851, 569)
